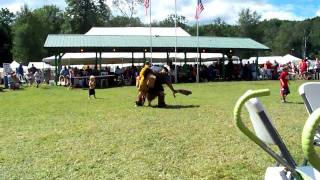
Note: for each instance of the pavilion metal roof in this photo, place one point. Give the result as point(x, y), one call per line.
point(110, 43)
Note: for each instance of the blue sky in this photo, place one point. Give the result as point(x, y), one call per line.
point(226, 9)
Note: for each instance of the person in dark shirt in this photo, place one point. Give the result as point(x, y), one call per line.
point(157, 90)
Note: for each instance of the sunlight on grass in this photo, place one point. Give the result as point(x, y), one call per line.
point(53, 133)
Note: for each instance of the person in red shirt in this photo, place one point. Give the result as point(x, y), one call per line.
point(303, 67)
point(284, 84)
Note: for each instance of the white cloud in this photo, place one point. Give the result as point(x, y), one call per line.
point(13, 7)
point(318, 13)
point(219, 8)
point(228, 10)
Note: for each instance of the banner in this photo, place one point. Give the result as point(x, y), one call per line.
point(6, 68)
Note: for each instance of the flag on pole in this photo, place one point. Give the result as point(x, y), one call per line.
point(146, 5)
point(199, 9)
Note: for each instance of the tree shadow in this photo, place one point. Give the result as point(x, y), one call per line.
point(177, 106)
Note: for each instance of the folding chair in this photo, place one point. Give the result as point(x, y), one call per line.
point(266, 135)
point(310, 93)
point(308, 134)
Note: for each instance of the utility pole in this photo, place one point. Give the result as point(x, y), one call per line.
point(305, 39)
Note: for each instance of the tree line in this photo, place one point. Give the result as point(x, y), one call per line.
point(23, 33)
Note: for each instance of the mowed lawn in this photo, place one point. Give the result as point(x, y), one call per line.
point(55, 133)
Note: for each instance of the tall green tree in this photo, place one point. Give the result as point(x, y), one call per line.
point(248, 23)
point(123, 21)
point(6, 20)
point(27, 31)
point(31, 29)
point(170, 21)
point(82, 15)
point(127, 8)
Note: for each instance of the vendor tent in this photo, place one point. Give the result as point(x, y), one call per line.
point(14, 65)
point(289, 58)
point(280, 59)
point(40, 65)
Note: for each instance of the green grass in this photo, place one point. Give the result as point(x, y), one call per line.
point(55, 133)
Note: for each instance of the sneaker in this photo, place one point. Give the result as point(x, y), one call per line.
point(283, 101)
point(138, 103)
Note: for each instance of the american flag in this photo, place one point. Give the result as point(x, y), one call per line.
point(199, 9)
point(146, 5)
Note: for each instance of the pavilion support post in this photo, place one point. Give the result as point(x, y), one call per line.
point(56, 69)
point(167, 58)
point(96, 62)
point(100, 62)
point(132, 58)
point(185, 57)
point(144, 57)
point(223, 74)
point(256, 66)
point(200, 59)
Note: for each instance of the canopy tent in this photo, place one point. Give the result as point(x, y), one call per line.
point(14, 65)
point(40, 65)
point(280, 59)
point(289, 58)
point(263, 60)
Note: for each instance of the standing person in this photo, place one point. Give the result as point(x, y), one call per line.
point(317, 68)
point(92, 85)
point(37, 77)
point(303, 68)
point(284, 84)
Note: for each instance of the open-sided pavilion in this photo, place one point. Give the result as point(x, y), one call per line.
point(59, 44)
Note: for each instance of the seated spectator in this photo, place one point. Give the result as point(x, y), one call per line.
point(14, 82)
point(64, 76)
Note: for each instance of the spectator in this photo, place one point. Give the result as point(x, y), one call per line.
point(92, 85)
point(303, 68)
point(284, 84)
point(317, 68)
point(38, 77)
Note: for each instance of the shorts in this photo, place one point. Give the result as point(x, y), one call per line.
point(92, 92)
point(285, 91)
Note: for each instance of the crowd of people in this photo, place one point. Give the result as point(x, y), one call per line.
point(219, 70)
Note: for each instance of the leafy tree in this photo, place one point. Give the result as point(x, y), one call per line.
point(123, 21)
point(51, 18)
point(82, 15)
point(6, 19)
point(170, 21)
point(28, 31)
point(31, 29)
point(248, 23)
point(128, 9)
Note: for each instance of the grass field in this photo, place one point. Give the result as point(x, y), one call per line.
point(55, 133)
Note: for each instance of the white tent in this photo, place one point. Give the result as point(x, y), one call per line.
point(262, 60)
point(280, 59)
point(14, 65)
point(289, 58)
point(40, 65)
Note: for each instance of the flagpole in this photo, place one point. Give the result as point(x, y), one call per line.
point(175, 48)
point(197, 78)
point(150, 31)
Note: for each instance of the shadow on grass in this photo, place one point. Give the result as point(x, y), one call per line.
point(177, 106)
point(289, 102)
